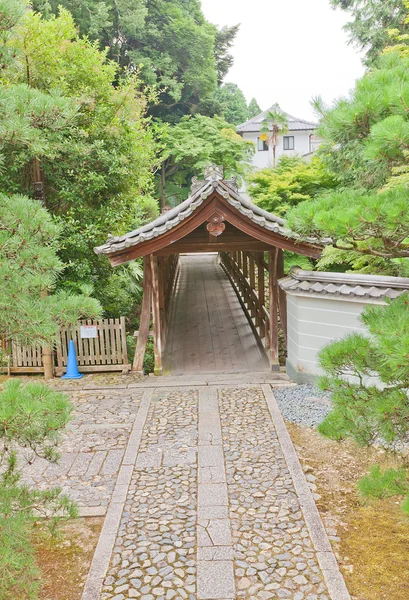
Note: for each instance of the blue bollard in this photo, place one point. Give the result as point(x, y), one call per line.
point(72, 366)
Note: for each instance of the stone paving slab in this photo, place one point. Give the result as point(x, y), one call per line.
point(213, 506)
point(92, 449)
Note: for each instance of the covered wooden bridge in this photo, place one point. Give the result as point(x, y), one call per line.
point(211, 267)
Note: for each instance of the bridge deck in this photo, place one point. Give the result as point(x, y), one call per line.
point(208, 330)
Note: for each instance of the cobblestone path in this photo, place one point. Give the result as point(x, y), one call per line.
point(211, 503)
point(92, 449)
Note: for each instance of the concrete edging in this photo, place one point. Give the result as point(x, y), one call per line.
point(325, 555)
point(106, 542)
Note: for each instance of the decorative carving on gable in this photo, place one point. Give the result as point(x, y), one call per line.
point(216, 225)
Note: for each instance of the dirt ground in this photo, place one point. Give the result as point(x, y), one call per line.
point(371, 541)
point(65, 561)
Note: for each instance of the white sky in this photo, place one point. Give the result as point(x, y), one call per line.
point(288, 51)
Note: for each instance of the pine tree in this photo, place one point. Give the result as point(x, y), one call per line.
point(368, 377)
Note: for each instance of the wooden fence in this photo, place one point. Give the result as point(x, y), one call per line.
point(255, 281)
point(106, 352)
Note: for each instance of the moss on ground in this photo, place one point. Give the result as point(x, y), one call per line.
point(65, 560)
point(371, 540)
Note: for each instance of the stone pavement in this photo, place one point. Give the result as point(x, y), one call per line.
point(92, 448)
point(210, 501)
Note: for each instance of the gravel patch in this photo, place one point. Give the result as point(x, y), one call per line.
point(303, 404)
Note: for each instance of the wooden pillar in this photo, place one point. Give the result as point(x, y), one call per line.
point(157, 325)
point(48, 362)
point(161, 290)
point(47, 353)
point(273, 294)
point(261, 291)
point(145, 318)
point(282, 298)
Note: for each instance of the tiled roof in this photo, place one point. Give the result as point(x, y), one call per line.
point(344, 284)
point(201, 190)
point(294, 124)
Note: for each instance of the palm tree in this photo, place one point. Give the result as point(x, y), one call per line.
point(274, 123)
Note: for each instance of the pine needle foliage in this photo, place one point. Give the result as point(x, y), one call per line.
point(29, 269)
point(32, 417)
point(368, 377)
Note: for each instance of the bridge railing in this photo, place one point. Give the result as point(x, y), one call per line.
point(254, 277)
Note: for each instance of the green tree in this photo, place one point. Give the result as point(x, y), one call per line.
point(372, 19)
point(274, 124)
point(225, 37)
point(370, 223)
point(253, 108)
point(368, 377)
point(233, 105)
point(171, 43)
point(292, 181)
point(30, 313)
point(88, 140)
point(195, 143)
point(32, 417)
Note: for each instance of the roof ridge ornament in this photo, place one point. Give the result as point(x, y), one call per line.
point(213, 173)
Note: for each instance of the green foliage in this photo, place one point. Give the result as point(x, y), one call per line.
point(253, 108)
point(233, 105)
point(32, 417)
point(274, 124)
point(176, 49)
point(368, 377)
point(292, 181)
point(384, 484)
point(198, 141)
point(368, 223)
point(333, 259)
point(372, 19)
point(29, 267)
point(225, 37)
point(65, 108)
point(367, 134)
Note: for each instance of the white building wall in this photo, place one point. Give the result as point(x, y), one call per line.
point(314, 322)
point(263, 159)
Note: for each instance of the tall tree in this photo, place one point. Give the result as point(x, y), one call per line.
point(253, 108)
point(233, 105)
point(224, 41)
point(61, 111)
point(172, 45)
point(371, 20)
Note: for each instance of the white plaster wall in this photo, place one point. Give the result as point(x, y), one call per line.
point(264, 158)
point(313, 322)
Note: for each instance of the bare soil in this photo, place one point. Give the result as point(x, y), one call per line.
point(371, 540)
point(65, 560)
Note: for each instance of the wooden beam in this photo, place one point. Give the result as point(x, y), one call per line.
point(157, 325)
point(145, 316)
point(273, 296)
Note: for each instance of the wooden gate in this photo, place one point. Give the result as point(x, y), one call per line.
point(106, 352)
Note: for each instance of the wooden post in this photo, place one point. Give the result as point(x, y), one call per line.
point(145, 316)
point(282, 298)
point(261, 291)
point(273, 294)
point(47, 353)
point(48, 362)
point(157, 326)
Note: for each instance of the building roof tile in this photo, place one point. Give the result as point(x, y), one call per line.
point(344, 284)
point(294, 123)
